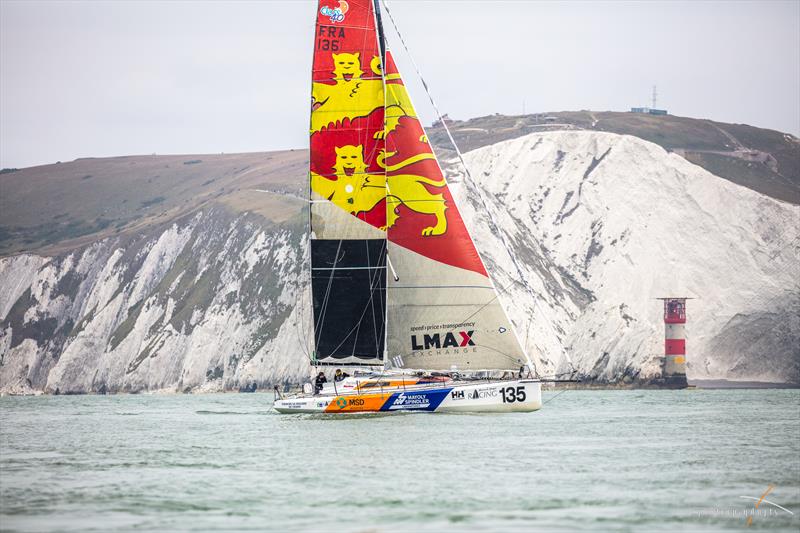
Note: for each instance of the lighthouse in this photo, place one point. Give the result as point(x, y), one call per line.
point(674, 369)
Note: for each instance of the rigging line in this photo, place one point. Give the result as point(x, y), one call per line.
point(379, 29)
point(302, 339)
point(394, 272)
point(298, 309)
point(554, 376)
point(385, 172)
point(441, 286)
point(302, 315)
point(355, 337)
point(555, 396)
point(496, 296)
point(361, 318)
point(323, 311)
point(311, 201)
point(307, 350)
point(372, 306)
point(374, 276)
point(383, 257)
point(307, 318)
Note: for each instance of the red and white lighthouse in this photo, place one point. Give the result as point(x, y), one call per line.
point(674, 371)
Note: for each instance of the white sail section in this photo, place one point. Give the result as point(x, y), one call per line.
point(442, 311)
point(442, 317)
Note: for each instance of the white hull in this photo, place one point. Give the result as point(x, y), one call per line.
point(522, 395)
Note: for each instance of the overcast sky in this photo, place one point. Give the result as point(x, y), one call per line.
point(111, 78)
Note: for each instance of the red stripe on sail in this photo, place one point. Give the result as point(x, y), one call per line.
point(347, 110)
point(421, 213)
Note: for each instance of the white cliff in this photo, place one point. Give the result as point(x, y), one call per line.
point(600, 224)
point(605, 223)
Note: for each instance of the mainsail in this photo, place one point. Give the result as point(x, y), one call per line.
point(348, 192)
point(375, 180)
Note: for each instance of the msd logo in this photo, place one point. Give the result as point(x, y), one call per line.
point(451, 339)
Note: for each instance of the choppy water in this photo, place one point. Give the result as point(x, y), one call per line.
point(622, 460)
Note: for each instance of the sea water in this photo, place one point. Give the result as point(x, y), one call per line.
point(589, 460)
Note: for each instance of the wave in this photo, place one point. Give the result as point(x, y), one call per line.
point(206, 412)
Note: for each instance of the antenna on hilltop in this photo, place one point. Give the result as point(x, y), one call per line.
point(655, 95)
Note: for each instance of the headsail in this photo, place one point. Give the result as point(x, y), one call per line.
point(347, 186)
point(443, 311)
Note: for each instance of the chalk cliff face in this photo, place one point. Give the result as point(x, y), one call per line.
point(603, 224)
point(212, 292)
point(207, 301)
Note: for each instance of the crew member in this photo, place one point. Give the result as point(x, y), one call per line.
point(339, 376)
point(319, 382)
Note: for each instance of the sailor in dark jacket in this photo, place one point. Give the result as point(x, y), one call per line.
point(319, 382)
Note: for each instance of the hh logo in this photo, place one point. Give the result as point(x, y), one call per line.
point(448, 341)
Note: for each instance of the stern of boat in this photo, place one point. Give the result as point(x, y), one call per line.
point(524, 395)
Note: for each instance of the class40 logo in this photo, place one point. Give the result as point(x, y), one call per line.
point(336, 14)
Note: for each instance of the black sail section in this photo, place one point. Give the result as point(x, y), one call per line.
point(348, 282)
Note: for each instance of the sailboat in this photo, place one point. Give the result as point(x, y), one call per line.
point(398, 288)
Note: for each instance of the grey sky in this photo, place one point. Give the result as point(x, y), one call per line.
point(98, 78)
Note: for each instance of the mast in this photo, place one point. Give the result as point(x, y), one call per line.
point(381, 37)
point(382, 48)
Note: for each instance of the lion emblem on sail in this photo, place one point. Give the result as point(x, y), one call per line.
point(411, 190)
point(357, 191)
point(352, 96)
point(353, 189)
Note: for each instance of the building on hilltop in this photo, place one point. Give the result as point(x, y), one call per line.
point(652, 110)
point(649, 111)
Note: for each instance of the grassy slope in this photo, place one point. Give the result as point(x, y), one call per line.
point(55, 208)
point(703, 142)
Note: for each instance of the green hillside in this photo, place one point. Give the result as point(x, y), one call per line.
point(764, 160)
point(53, 208)
point(58, 207)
